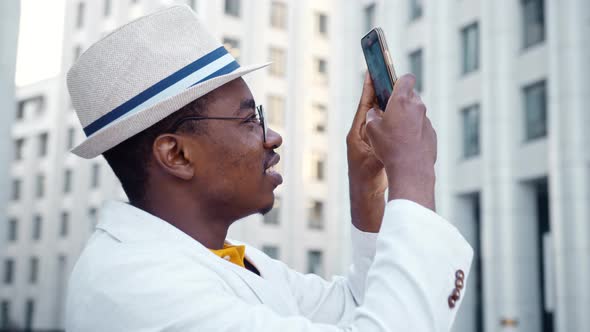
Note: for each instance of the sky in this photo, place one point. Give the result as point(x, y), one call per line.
point(40, 40)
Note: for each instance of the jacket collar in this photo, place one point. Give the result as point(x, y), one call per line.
point(129, 224)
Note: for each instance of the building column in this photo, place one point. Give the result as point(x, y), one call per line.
point(440, 65)
point(568, 32)
point(508, 225)
point(9, 20)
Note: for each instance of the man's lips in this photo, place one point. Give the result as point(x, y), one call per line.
point(276, 178)
point(273, 161)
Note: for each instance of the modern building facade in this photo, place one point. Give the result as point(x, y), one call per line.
point(504, 85)
point(55, 197)
point(9, 27)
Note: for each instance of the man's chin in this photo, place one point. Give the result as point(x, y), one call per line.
point(266, 209)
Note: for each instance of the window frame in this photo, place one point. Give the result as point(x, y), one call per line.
point(527, 40)
point(278, 15)
point(232, 11)
point(416, 10)
point(467, 153)
point(412, 57)
point(466, 66)
point(530, 88)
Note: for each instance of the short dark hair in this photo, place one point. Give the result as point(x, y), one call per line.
point(131, 158)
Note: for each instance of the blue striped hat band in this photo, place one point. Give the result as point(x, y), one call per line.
point(216, 63)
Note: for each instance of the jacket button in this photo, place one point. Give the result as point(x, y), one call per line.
point(456, 294)
point(459, 283)
point(452, 302)
point(459, 274)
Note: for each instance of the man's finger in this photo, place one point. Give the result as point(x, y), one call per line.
point(404, 86)
point(368, 95)
point(366, 102)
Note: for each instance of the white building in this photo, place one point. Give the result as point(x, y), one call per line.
point(55, 196)
point(504, 82)
point(9, 21)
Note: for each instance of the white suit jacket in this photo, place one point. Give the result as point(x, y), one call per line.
point(139, 273)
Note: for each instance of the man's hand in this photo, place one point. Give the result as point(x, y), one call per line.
point(366, 175)
point(405, 142)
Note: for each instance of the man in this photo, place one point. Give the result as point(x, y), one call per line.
point(165, 104)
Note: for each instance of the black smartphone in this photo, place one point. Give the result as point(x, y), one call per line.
point(379, 64)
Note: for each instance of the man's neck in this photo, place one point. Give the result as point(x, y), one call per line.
point(208, 229)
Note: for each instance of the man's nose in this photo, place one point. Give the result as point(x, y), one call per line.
point(273, 139)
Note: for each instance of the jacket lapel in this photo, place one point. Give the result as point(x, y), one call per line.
point(266, 289)
point(130, 224)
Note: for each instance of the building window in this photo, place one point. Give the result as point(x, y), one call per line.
point(64, 224)
point(276, 110)
point(315, 262)
point(95, 181)
point(321, 67)
point(318, 167)
point(470, 117)
point(92, 213)
point(12, 230)
point(5, 324)
point(18, 148)
point(16, 187)
point(37, 223)
point(369, 17)
point(40, 186)
point(233, 47)
point(322, 24)
point(20, 111)
point(316, 215)
point(416, 61)
point(416, 7)
point(43, 140)
point(278, 58)
point(273, 216)
point(8, 271)
point(278, 15)
point(271, 251)
point(470, 48)
point(320, 118)
point(533, 20)
point(67, 181)
point(34, 270)
point(232, 8)
point(71, 138)
point(77, 52)
point(29, 314)
point(107, 8)
point(535, 106)
point(34, 104)
point(80, 15)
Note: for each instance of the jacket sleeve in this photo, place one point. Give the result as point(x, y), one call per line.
point(427, 252)
point(407, 286)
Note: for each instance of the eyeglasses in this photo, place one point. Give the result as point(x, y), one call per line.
point(258, 117)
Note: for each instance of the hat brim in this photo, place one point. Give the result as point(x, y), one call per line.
point(131, 125)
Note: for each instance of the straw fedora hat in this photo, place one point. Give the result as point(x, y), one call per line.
point(143, 72)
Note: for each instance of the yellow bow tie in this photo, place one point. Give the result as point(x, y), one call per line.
point(231, 253)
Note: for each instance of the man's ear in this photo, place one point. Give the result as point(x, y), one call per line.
point(173, 155)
